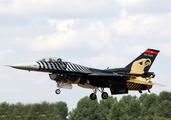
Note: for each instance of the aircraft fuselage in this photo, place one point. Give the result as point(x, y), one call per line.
point(134, 76)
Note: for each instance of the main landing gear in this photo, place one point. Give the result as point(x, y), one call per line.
point(104, 95)
point(93, 95)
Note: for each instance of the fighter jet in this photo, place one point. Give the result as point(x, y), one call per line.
point(135, 76)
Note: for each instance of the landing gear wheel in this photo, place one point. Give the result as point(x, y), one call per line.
point(93, 96)
point(57, 91)
point(104, 95)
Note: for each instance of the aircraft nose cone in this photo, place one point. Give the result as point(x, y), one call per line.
point(20, 66)
point(26, 66)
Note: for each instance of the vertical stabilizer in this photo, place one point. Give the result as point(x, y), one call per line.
point(143, 62)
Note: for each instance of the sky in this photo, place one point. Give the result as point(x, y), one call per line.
point(93, 33)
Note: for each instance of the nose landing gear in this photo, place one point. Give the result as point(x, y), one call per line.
point(62, 84)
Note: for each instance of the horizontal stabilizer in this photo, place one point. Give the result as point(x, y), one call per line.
point(144, 82)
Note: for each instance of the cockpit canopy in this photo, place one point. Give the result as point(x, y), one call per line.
point(52, 59)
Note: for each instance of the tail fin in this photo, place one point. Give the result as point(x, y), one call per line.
point(143, 63)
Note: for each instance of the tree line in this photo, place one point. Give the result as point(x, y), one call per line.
point(146, 107)
point(42, 111)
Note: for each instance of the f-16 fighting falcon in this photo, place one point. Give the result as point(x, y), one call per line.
point(135, 76)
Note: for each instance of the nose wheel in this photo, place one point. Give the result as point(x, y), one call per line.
point(57, 91)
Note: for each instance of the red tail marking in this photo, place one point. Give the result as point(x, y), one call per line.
point(152, 52)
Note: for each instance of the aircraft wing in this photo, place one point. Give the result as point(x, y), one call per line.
point(106, 75)
point(133, 79)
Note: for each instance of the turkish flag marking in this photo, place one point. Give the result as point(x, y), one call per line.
point(150, 51)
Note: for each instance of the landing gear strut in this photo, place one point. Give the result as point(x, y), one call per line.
point(93, 95)
point(58, 91)
point(104, 94)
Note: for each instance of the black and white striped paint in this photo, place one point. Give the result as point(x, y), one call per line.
point(62, 66)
